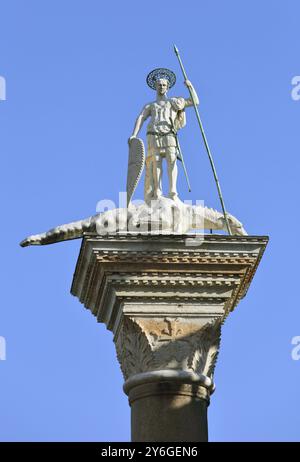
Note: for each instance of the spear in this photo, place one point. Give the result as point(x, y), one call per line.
point(205, 143)
point(183, 163)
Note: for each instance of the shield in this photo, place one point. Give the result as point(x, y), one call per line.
point(136, 162)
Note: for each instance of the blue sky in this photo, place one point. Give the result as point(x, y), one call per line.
point(75, 74)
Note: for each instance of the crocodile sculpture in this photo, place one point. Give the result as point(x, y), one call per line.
point(161, 216)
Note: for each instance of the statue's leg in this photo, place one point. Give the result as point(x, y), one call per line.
point(148, 185)
point(172, 171)
point(157, 175)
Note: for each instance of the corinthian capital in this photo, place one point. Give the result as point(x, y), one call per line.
point(168, 343)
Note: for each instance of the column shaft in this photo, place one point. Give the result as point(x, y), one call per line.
point(167, 412)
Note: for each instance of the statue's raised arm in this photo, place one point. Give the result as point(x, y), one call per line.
point(194, 97)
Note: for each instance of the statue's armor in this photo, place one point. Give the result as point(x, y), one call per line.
point(167, 116)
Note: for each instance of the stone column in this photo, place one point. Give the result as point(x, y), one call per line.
point(165, 299)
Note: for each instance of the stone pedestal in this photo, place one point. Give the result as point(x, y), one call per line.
point(165, 299)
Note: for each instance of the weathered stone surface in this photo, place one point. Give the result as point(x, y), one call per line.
point(165, 299)
point(169, 411)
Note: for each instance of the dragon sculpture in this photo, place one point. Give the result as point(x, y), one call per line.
point(161, 216)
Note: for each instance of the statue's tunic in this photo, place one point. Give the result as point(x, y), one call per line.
point(167, 116)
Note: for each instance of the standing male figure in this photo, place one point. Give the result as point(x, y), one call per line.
point(167, 117)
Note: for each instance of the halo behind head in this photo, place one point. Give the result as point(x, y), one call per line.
point(160, 73)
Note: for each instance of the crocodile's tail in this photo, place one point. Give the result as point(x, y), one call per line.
point(66, 232)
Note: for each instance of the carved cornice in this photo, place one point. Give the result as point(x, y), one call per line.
point(149, 262)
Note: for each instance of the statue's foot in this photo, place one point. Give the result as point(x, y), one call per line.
point(173, 196)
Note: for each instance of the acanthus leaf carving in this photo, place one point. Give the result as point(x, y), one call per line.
point(168, 343)
point(206, 344)
point(133, 348)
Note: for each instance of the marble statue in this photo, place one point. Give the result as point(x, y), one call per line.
point(157, 214)
point(167, 116)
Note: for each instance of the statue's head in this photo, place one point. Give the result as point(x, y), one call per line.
point(235, 225)
point(161, 80)
point(162, 86)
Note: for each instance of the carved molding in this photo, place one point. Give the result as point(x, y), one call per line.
point(103, 256)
